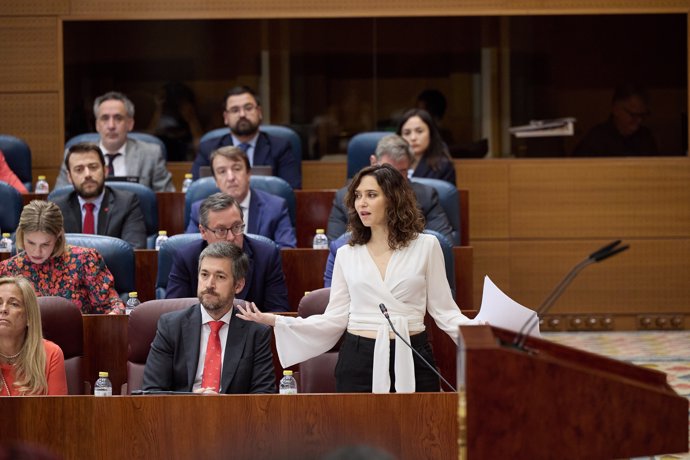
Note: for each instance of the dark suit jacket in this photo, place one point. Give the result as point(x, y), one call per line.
point(427, 201)
point(264, 284)
point(445, 172)
point(120, 216)
point(268, 216)
point(144, 160)
point(174, 357)
point(273, 151)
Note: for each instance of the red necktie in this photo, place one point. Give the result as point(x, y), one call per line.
point(212, 364)
point(89, 225)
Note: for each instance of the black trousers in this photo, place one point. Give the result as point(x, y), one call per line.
point(354, 370)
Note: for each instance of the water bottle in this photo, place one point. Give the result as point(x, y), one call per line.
point(288, 384)
point(103, 387)
point(5, 243)
point(132, 302)
point(42, 185)
point(186, 182)
point(320, 239)
point(161, 238)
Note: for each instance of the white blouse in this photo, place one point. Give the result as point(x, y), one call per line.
point(415, 282)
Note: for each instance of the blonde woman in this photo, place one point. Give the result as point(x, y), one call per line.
point(29, 364)
point(57, 269)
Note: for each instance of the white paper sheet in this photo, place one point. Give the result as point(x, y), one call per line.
point(501, 311)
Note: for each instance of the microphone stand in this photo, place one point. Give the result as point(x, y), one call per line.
point(605, 252)
point(384, 310)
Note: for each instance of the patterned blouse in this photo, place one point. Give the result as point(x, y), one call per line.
point(79, 275)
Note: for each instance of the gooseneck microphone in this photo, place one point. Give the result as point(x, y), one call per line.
point(384, 310)
point(603, 253)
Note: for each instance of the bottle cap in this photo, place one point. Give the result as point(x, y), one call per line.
point(188, 176)
point(319, 231)
point(103, 374)
point(41, 177)
point(5, 235)
point(133, 294)
point(287, 372)
point(163, 232)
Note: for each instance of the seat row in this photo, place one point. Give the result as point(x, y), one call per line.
point(120, 344)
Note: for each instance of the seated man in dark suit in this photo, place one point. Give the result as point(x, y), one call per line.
point(242, 114)
point(264, 214)
point(235, 356)
point(221, 219)
point(95, 208)
point(126, 156)
point(394, 150)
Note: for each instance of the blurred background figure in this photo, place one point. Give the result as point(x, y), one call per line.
point(432, 159)
point(434, 102)
point(29, 364)
point(176, 121)
point(623, 134)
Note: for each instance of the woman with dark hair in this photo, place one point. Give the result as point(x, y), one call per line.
point(388, 260)
point(56, 268)
point(431, 153)
point(29, 364)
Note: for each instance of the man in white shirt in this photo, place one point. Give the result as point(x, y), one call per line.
point(125, 156)
point(229, 355)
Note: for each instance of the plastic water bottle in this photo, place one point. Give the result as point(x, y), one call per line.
point(288, 384)
point(5, 243)
point(42, 185)
point(132, 302)
point(103, 387)
point(161, 238)
point(320, 239)
point(186, 182)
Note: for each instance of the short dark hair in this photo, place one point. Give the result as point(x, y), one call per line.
point(84, 147)
point(628, 90)
point(405, 220)
point(232, 153)
point(239, 90)
point(217, 202)
point(227, 250)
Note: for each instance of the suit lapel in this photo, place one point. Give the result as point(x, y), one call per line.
point(104, 213)
point(133, 160)
point(191, 325)
point(261, 150)
point(74, 214)
point(237, 336)
point(255, 205)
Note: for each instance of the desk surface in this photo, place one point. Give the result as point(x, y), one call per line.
point(409, 426)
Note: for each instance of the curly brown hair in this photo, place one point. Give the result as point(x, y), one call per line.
point(405, 220)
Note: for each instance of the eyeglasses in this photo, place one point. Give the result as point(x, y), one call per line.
point(236, 109)
point(237, 229)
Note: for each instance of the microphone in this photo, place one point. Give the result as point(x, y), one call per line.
point(384, 310)
point(603, 253)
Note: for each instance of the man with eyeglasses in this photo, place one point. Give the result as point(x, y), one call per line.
point(623, 134)
point(242, 114)
point(221, 219)
point(264, 213)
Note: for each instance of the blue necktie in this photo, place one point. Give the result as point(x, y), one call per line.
point(244, 146)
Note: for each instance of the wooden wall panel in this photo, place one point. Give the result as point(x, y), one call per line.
point(33, 7)
point(622, 198)
point(29, 50)
point(323, 174)
point(487, 182)
point(491, 258)
point(34, 118)
point(351, 8)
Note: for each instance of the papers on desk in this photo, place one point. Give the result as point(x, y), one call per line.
point(545, 128)
point(501, 311)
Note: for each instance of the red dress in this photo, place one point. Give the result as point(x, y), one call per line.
point(55, 372)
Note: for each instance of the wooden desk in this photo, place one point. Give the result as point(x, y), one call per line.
point(171, 212)
point(303, 270)
point(301, 427)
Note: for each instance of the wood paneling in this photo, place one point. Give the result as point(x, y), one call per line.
point(354, 8)
point(323, 174)
point(34, 7)
point(624, 198)
point(34, 118)
point(29, 50)
point(268, 426)
point(487, 182)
